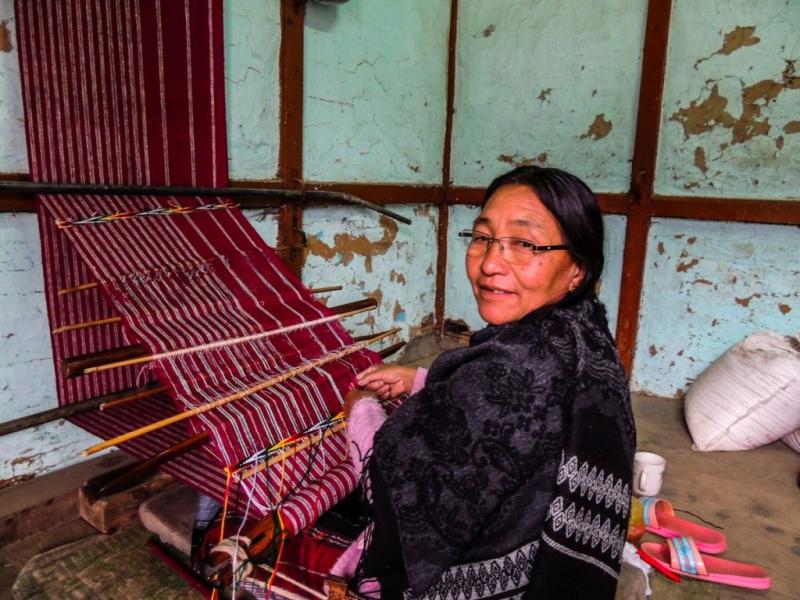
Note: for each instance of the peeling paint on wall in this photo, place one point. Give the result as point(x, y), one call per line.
point(345, 245)
point(375, 88)
point(567, 75)
point(731, 97)
point(5, 37)
point(376, 257)
point(708, 285)
point(599, 128)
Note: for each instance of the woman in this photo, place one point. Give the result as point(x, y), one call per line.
point(507, 471)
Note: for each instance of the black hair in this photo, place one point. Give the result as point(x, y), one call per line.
point(574, 207)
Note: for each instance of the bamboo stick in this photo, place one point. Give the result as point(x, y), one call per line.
point(223, 343)
point(85, 324)
point(79, 364)
point(233, 397)
point(78, 288)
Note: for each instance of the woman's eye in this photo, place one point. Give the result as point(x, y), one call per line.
point(479, 238)
point(523, 245)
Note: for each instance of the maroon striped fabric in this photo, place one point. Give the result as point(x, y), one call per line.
point(131, 91)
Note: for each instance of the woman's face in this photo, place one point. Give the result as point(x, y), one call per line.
point(507, 292)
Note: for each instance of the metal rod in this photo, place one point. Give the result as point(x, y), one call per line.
point(27, 187)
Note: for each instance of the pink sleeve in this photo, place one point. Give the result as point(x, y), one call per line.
point(419, 380)
point(365, 419)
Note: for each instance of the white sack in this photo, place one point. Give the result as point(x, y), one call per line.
point(748, 397)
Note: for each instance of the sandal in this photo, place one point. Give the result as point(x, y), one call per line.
point(659, 518)
point(680, 555)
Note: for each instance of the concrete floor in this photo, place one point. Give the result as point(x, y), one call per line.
point(753, 496)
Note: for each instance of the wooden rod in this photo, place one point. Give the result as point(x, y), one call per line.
point(118, 483)
point(111, 320)
point(77, 365)
point(82, 363)
point(322, 290)
point(139, 394)
point(68, 410)
point(115, 441)
point(85, 324)
point(78, 288)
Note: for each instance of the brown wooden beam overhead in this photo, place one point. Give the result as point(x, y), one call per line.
point(648, 120)
point(444, 216)
point(743, 210)
point(290, 153)
point(615, 204)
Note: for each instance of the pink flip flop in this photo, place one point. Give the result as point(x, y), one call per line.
point(680, 555)
point(659, 518)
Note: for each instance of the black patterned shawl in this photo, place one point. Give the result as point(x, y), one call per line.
point(508, 474)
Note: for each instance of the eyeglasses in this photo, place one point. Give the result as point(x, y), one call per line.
point(520, 251)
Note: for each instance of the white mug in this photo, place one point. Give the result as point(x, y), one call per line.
point(648, 473)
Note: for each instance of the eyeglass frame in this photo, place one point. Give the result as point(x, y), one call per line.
point(534, 248)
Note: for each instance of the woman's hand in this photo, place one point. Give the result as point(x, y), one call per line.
point(350, 399)
point(387, 381)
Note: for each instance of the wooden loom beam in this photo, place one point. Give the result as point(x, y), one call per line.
point(197, 410)
point(82, 363)
point(191, 443)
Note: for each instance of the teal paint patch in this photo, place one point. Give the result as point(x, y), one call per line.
point(552, 83)
point(708, 285)
point(611, 280)
point(252, 43)
point(375, 79)
point(731, 106)
point(265, 222)
point(373, 256)
point(459, 300)
point(13, 151)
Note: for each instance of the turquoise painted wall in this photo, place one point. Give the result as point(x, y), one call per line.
point(13, 153)
point(459, 301)
point(252, 41)
point(731, 107)
point(707, 285)
point(375, 78)
point(553, 82)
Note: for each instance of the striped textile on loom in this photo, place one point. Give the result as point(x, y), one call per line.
point(131, 91)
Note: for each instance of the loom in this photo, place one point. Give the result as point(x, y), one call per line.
point(145, 257)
